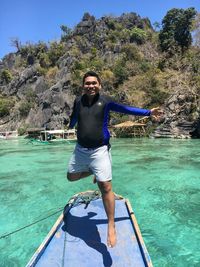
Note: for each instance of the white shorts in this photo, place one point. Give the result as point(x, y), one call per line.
point(94, 160)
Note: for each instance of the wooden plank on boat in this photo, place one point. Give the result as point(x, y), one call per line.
point(78, 238)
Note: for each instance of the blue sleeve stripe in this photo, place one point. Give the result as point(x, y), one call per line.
point(121, 109)
point(106, 133)
point(74, 115)
point(128, 109)
point(73, 121)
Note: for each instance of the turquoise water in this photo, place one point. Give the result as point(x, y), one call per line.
point(160, 177)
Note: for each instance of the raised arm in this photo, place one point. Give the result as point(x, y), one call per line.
point(128, 109)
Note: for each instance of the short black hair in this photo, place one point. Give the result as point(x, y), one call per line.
point(93, 74)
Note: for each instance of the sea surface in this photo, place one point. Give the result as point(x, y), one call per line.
point(161, 178)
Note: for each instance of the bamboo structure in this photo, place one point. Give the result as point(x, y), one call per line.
point(130, 129)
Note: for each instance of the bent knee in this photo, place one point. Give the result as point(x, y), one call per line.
point(71, 177)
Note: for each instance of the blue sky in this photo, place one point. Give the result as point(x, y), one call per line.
point(40, 20)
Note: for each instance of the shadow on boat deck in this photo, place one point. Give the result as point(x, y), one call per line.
point(86, 229)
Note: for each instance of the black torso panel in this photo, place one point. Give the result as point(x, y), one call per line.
point(91, 119)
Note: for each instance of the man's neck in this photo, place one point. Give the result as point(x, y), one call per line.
point(91, 99)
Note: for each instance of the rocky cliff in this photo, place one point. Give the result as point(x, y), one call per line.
point(39, 82)
point(181, 113)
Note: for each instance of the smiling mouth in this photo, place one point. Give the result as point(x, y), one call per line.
point(91, 90)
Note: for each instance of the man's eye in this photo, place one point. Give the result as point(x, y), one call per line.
point(93, 83)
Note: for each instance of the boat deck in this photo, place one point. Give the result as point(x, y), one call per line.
point(81, 239)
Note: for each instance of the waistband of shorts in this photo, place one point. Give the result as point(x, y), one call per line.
point(92, 148)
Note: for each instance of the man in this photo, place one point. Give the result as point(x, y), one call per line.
point(91, 154)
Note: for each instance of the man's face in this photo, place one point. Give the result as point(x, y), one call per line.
point(91, 86)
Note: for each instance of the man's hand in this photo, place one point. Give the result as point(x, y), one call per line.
point(156, 113)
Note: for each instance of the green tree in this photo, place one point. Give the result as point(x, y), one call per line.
point(41, 47)
point(22, 130)
point(197, 30)
point(44, 60)
point(131, 51)
point(138, 36)
point(16, 43)
point(156, 25)
point(176, 30)
point(111, 23)
point(66, 33)
point(120, 71)
point(24, 108)
point(56, 50)
point(5, 106)
point(6, 76)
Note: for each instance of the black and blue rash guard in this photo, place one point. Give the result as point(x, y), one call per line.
point(92, 128)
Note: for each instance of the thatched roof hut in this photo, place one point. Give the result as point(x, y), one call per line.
point(128, 124)
point(129, 129)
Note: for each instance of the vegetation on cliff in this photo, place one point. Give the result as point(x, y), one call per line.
point(139, 66)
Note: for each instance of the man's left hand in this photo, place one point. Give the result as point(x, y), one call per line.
point(157, 113)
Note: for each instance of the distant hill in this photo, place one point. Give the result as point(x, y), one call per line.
point(39, 82)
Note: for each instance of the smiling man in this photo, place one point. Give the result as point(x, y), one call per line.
point(92, 151)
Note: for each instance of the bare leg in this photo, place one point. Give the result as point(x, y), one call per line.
point(109, 205)
point(77, 176)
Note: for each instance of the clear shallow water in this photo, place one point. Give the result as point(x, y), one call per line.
point(160, 177)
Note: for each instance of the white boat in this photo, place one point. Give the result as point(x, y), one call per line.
point(58, 135)
point(8, 135)
point(2, 136)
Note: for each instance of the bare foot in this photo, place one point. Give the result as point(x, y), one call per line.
point(94, 180)
point(111, 239)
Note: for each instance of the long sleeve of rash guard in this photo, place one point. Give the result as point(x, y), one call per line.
point(128, 109)
point(73, 117)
